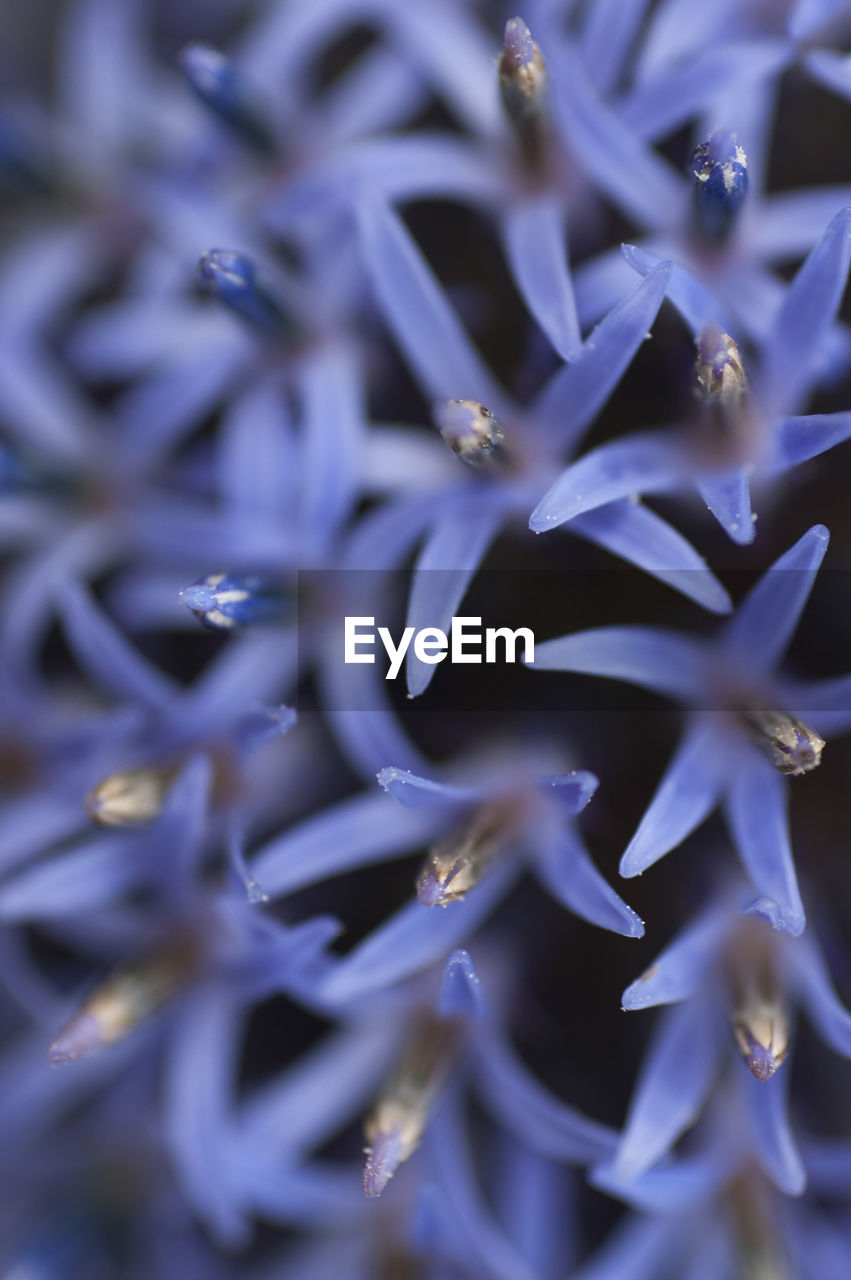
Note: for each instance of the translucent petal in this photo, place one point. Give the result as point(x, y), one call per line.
point(756, 812)
point(100, 94)
point(774, 1144)
point(644, 462)
point(798, 439)
point(681, 969)
point(355, 833)
point(635, 1250)
point(536, 1203)
point(607, 36)
point(568, 873)
point(32, 824)
point(634, 532)
point(257, 455)
point(571, 791)
point(413, 938)
point(697, 305)
point(575, 393)
point(808, 16)
point(421, 320)
point(676, 1187)
point(91, 876)
point(517, 1100)
point(807, 311)
point(665, 661)
point(728, 498)
point(446, 564)
point(791, 222)
point(674, 1082)
point(762, 625)
point(536, 242)
point(104, 654)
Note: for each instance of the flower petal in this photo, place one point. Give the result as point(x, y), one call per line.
point(664, 661)
point(756, 813)
point(763, 623)
point(822, 1005)
point(799, 439)
point(574, 394)
point(697, 304)
point(728, 498)
point(567, 872)
point(332, 434)
point(461, 990)
point(440, 798)
point(774, 1145)
point(680, 970)
point(644, 462)
point(536, 244)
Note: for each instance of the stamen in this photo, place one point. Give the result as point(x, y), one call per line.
point(469, 429)
point(127, 998)
point(720, 170)
point(224, 602)
point(786, 743)
point(130, 798)
point(397, 1122)
point(215, 81)
point(242, 286)
point(457, 864)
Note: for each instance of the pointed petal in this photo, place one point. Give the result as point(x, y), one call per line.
point(421, 320)
point(809, 306)
point(567, 872)
point(791, 222)
point(445, 567)
point(635, 1249)
point(728, 498)
point(822, 1005)
point(84, 879)
point(257, 455)
point(644, 462)
point(572, 791)
point(574, 395)
point(536, 243)
point(664, 661)
point(756, 813)
point(634, 532)
point(680, 970)
point(105, 655)
point(412, 939)
point(678, 1186)
point(355, 833)
point(824, 705)
point(775, 1147)
point(687, 794)
point(697, 304)
point(537, 1202)
point(673, 1085)
point(607, 35)
point(461, 991)
point(799, 439)
point(414, 792)
point(517, 1100)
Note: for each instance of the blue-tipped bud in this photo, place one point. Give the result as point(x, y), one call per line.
point(523, 84)
point(215, 81)
point(762, 1034)
point(242, 286)
point(720, 170)
point(469, 429)
point(225, 602)
point(790, 746)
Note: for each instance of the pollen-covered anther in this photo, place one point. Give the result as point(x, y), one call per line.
point(129, 798)
point(457, 864)
point(469, 429)
point(123, 1001)
point(719, 366)
point(397, 1122)
point(788, 744)
point(719, 167)
point(522, 74)
point(762, 1034)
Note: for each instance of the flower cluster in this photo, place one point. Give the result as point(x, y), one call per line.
point(327, 310)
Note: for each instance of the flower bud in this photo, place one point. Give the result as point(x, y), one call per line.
point(469, 429)
point(720, 170)
point(455, 865)
point(224, 601)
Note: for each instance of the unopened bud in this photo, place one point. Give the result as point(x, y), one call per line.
point(225, 601)
point(397, 1122)
point(720, 170)
point(455, 865)
point(215, 81)
point(523, 83)
point(760, 1017)
point(128, 799)
point(786, 743)
point(720, 370)
point(242, 286)
point(127, 998)
point(762, 1034)
point(469, 429)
